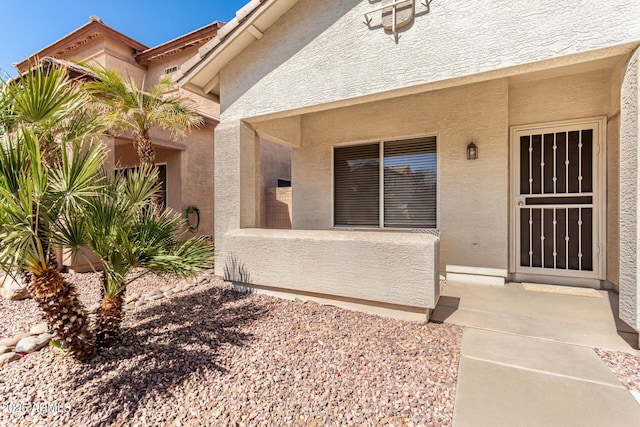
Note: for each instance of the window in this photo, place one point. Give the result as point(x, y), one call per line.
point(391, 184)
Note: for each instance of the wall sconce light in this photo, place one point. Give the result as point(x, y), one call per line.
point(472, 151)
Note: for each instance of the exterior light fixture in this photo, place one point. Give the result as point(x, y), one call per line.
point(472, 151)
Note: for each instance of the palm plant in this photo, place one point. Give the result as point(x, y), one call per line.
point(52, 106)
point(45, 174)
point(132, 107)
point(127, 233)
point(33, 199)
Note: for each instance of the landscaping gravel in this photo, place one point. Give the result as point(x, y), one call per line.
point(211, 356)
point(625, 366)
point(19, 316)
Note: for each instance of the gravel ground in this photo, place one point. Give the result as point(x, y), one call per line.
point(18, 316)
point(625, 366)
point(211, 356)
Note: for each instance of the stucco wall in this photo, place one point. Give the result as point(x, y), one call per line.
point(474, 195)
point(190, 176)
point(198, 177)
point(395, 268)
point(303, 58)
point(613, 174)
point(473, 199)
point(205, 105)
point(237, 201)
point(629, 193)
point(275, 163)
point(562, 98)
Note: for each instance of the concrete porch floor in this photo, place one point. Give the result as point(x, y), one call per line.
point(579, 320)
point(528, 358)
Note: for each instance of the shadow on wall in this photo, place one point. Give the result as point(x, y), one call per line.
point(278, 208)
point(624, 331)
point(422, 8)
point(169, 344)
point(235, 271)
point(445, 308)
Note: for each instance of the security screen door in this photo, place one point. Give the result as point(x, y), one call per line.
point(557, 198)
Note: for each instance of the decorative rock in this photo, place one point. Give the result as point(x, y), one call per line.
point(9, 342)
point(45, 337)
point(8, 358)
point(168, 293)
point(167, 289)
point(140, 303)
point(130, 306)
point(4, 349)
point(30, 344)
point(155, 297)
point(132, 298)
point(20, 336)
point(153, 293)
point(12, 288)
point(38, 329)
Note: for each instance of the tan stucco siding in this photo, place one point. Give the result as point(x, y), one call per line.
point(198, 176)
point(630, 193)
point(613, 175)
point(561, 98)
point(190, 176)
point(205, 105)
point(473, 199)
point(322, 262)
point(305, 58)
point(157, 67)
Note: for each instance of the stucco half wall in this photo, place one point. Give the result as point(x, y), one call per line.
point(393, 271)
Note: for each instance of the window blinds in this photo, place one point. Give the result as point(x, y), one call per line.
point(409, 184)
point(410, 187)
point(357, 185)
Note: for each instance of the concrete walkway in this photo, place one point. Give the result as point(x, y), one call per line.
point(528, 359)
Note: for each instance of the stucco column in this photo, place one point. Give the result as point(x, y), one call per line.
point(630, 195)
point(237, 168)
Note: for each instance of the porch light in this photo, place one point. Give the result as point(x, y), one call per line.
point(472, 151)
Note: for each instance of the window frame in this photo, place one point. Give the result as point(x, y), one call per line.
point(381, 143)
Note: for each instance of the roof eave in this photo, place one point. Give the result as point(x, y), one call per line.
point(250, 23)
point(79, 32)
point(208, 31)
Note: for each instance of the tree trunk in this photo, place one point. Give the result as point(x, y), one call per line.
point(144, 148)
point(147, 156)
point(63, 311)
point(110, 316)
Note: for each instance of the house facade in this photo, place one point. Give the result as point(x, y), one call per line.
point(185, 164)
point(500, 138)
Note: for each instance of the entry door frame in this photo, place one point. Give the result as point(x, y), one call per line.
point(599, 125)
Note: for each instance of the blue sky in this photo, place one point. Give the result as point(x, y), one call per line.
point(28, 26)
